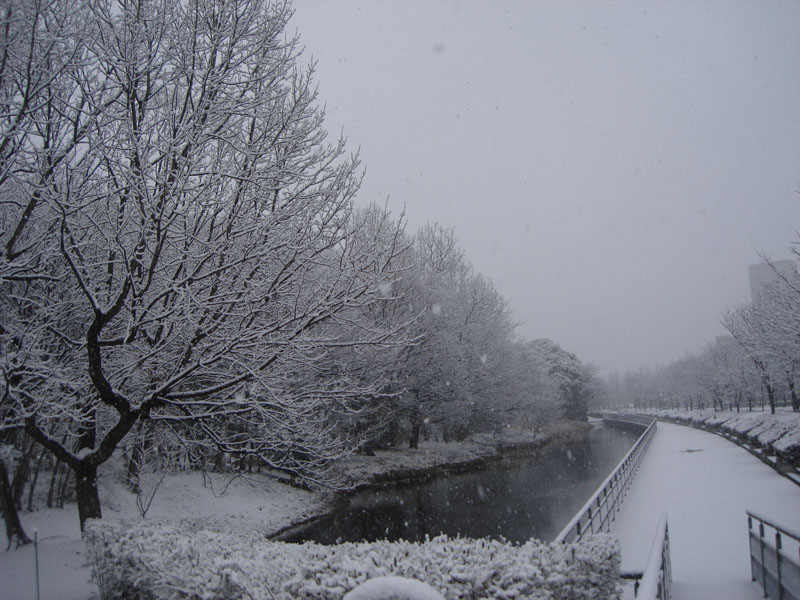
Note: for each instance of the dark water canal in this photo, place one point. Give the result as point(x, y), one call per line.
point(518, 498)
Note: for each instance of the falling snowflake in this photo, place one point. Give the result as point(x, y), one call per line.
point(482, 495)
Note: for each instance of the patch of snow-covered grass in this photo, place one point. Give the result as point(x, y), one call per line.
point(217, 502)
point(155, 561)
point(64, 573)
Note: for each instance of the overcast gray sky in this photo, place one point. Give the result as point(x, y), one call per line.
point(612, 166)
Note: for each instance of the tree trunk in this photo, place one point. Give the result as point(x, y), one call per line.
point(795, 399)
point(62, 487)
point(416, 424)
point(134, 468)
point(14, 529)
point(23, 473)
point(51, 493)
point(771, 396)
point(86, 493)
point(413, 441)
point(219, 462)
point(35, 479)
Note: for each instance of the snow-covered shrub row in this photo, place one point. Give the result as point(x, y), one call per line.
point(778, 433)
point(152, 561)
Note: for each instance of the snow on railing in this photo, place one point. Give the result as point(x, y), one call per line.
point(656, 582)
point(601, 509)
point(774, 560)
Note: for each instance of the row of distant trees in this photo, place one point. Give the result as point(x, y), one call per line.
point(186, 280)
point(756, 366)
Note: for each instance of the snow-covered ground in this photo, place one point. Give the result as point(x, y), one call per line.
point(701, 480)
point(254, 503)
point(779, 432)
point(704, 483)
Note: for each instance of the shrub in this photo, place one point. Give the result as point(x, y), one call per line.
point(149, 561)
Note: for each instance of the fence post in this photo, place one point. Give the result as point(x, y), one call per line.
point(778, 563)
point(763, 568)
point(750, 533)
point(36, 558)
point(591, 519)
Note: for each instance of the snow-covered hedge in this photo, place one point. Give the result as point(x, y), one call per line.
point(152, 561)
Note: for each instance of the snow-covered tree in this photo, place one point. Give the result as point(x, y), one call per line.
point(575, 380)
point(777, 313)
point(759, 360)
point(42, 46)
point(374, 423)
point(435, 370)
point(751, 330)
point(534, 395)
point(733, 372)
point(457, 374)
point(766, 329)
point(177, 236)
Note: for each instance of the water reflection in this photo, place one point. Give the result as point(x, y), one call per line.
point(516, 499)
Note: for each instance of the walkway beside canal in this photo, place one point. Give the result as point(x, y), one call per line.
point(704, 483)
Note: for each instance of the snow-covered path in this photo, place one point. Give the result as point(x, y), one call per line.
point(704, 483)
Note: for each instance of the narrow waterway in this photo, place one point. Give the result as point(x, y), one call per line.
point(518, 498)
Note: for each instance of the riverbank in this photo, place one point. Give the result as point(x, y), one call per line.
point(521, 495)
point(158, 558)
point(401, 467)
point(232, 503)
point(433, 458)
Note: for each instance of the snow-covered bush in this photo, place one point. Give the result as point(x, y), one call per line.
point(788, 446)
point(155, 561)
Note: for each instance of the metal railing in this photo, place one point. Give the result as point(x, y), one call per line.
point(774, 559)
point(642, 420)
point(656, 583)
point(600, 510)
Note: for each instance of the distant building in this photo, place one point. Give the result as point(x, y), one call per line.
point(762, 275)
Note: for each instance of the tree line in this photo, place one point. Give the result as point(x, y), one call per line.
point(755, 366)
point(187, 281)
